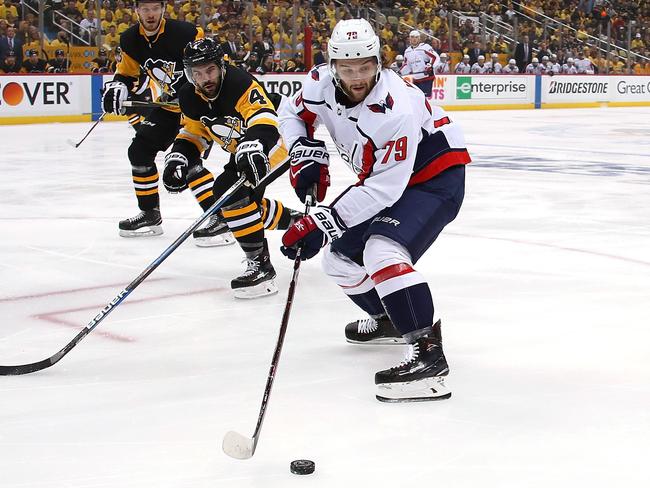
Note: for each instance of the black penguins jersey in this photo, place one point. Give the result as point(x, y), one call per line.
point(241, 111)
point(159, 56)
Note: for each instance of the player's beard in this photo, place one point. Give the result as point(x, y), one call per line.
point(210, 89)
point(357, 91)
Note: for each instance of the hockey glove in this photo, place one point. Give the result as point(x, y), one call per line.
point(312, 232)
point(175, 172)
point(309, 166)
point(252, 161)
point(115, 93)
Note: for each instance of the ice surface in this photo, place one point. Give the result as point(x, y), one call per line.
point(543, 285)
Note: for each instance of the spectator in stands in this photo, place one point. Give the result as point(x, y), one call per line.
point(261, 46)
point(543, 51)
point(232, 47)
point(510, 68)
point(10, 63)
point(62, 40)
point(320, 53)
point(72, 11)
point(463, 67)
point(101, 64)
point(10, 43)
point(523, 53)
point(112, 38)
point(266, 66)
point(34, 64)
point(125, 22)
point(60, 64)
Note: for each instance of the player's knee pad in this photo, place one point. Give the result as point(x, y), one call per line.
point(141, 153)
point(345, 272)
point(380, 252)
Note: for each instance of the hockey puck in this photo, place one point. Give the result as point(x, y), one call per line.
point(302, 466)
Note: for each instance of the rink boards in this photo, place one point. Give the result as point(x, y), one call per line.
point(28, 99)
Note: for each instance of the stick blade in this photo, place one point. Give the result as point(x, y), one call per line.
point(238, 446)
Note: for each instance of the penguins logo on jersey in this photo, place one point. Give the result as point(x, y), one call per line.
point(225, 130)
point(165, 75)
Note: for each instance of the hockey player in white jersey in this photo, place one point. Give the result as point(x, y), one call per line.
point(493, 65)
point(510, 68)
point(584, 65)
point(443, 67)
point(410, 159)
point(569, 68)
point(480, 68)
point(535, 68)
point(463, 67)
point(420, 61)
point(553, 67)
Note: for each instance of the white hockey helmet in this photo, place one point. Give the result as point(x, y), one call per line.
point(353, 39)
point(544, 58)
point(414, 33)
point(444, 55)
point(481, 58)
point(512, 61)
point(569, 61)
point(495, 55)
point(535, 60)
point(466, 56)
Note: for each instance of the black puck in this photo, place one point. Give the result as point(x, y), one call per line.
point(302, 466)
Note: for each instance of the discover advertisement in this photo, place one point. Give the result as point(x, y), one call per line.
point(44, 95)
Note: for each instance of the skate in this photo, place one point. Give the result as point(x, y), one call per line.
point(146, 223)
point(373, 331)
point(258, 279)
point(420, 376)
point(215, 233)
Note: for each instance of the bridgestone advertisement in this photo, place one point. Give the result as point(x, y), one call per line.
point(586, 89)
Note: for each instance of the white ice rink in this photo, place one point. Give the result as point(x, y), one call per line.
point(543, 285)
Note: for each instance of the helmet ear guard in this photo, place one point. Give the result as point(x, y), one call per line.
point(353, 39)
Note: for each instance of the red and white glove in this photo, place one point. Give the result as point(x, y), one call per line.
point(309, 166)
point(312, 233)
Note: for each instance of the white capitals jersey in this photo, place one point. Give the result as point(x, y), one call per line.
point(480, 69)
point(584, 66)
point(494, 67)
point(391, 140)
point(569, 69)
point(462, 68)
point(420, 61)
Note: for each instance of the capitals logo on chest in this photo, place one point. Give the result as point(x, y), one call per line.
point(226, 131)
point(165, 75)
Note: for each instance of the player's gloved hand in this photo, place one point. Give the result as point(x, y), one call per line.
point(309, 166)
point(312, 232)
point(175, 172)
point(252, 161)
point(115, 93)
point(428, 69)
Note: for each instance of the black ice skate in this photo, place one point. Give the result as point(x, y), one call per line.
point(216, 233)
point(373, 331)
point(420, 376)
point(258, 279)
point(146, 223)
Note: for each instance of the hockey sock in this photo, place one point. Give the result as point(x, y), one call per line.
point(275, 215)
point(369, 302)
point(200, 183)
point(406, 297)
point(246, 226)
point(145, 182)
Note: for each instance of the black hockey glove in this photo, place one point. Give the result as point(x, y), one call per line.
point(309, 166)
point(115, 93)
point(175, 172)
point(252, 161)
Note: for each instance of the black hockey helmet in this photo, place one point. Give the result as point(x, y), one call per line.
point(59, 52)
point(199, 52)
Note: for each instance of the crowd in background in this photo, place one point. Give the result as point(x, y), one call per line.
point(269, 36)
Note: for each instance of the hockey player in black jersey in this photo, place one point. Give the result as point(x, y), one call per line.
point(154, 46)
point(227, 106)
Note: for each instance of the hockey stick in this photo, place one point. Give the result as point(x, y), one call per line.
point(121, 296)
point(77, 144)
point(142, 104)
point(239, 446)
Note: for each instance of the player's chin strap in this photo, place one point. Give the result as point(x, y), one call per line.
point(121, 296)
point(234, 444)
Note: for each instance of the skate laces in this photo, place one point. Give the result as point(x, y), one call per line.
point(252, 266)
point(137, 218)
point(411, 355)
point(367, 326)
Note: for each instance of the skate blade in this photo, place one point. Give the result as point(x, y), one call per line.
point(215, 241)
point(384, 341)
point(425, 390)
point(263, 289)
point(152, 230)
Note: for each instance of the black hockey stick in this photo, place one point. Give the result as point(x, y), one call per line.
point(77, 144)
point(239, 446)
point(143, 104)
point(121, 296)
